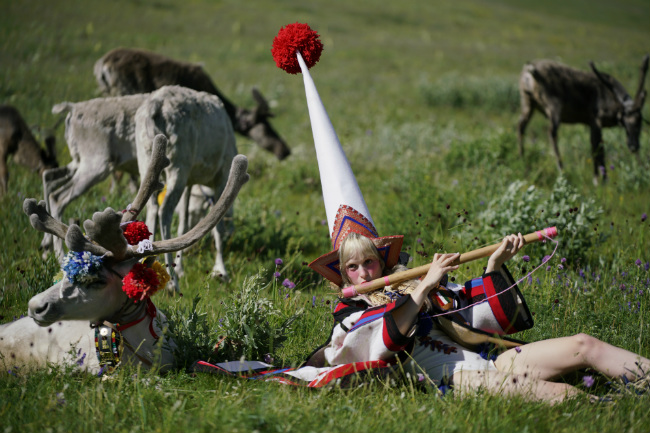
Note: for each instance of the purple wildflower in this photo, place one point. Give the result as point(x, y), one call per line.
point(560, 267)
point(526, 259)
point(638, 262)
point(517, 349)
point(288, 284)
point(80, 361)
point(277, 275)
point(647, 266)
point(601, 168)
point(644, 217)
point(268, 358)
point(278, 262)
point(546, 259)
point(563, 260)
point(313, 301)
point(420, 377)
point(548, 268)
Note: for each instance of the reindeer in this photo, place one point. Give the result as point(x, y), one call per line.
point(57, 331)
point(194, 159)
point(125, 71)
point(16, 139)
point(102, 135)
point(567, 95)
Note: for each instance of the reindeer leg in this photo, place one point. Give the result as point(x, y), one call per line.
point(176, 180)
point(219, 268)
point(4, 174)
point(53, 178)
point(83, 178)
point(598, 152)
point(524, 118)
point(552, 136)
point(183, 216)
point(218, 234)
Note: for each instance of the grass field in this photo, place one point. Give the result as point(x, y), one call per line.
point(423, 96)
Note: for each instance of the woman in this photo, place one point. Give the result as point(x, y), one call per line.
point(526, 371)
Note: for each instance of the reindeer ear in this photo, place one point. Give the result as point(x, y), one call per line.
point(262, 109)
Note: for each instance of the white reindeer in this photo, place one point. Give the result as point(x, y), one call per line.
point(200, 152)
point(102, 137)
point(57, 331)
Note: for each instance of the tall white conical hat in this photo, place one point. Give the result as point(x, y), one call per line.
point(296, 49)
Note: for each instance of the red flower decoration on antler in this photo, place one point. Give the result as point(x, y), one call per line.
point(292, 38)
point(140, 282)
point(135, 232)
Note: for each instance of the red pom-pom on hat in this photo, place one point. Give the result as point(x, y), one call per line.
point(292, 38)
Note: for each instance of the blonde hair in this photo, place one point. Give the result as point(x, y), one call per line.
point(356, 243)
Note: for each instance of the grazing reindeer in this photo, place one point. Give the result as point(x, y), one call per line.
point(125, 71)
point(567, 95)
point(16, 139)
point(102, 135)
point(57, 332)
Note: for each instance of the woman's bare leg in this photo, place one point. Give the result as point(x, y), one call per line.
point(549, 359)
point(510, 384)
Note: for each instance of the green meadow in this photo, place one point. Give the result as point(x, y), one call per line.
point(424, 99)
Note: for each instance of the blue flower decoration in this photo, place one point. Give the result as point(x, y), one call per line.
point(81, 267)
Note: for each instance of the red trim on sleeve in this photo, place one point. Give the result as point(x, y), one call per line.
point(495, 305)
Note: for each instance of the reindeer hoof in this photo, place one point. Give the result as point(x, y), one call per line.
point(223, 276)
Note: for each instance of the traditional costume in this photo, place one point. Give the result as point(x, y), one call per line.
point(365, 341)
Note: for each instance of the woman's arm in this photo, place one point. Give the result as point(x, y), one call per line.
point(508, 249)
point(405, 315)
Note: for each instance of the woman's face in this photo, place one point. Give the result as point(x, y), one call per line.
point(360, 268)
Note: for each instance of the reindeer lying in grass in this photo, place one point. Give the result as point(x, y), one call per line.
point(567, 95)
point(106, 285)
point(16, 139)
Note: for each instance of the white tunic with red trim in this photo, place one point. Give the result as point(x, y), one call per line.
point(366, 339)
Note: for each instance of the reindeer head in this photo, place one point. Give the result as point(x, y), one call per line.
point(100, 263)
point(629, 113)
point(255, 124)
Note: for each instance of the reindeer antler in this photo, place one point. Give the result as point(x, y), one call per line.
point(150, 183)
point(105, 230)
point(76, 241)
point(643, 72)
point(236, 179)
point(41, 220)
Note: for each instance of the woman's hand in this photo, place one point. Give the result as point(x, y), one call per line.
point(405, 315)
point(508, 249)
point(440, 265)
